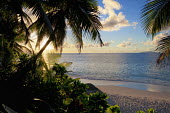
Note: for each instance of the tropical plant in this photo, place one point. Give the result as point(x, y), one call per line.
point(156, 18)
point(80, 15)
point(113, 109)
point(12, 31)
point(53, 17)
point(148, 111)
point(29, 88)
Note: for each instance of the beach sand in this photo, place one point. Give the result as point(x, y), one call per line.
point(131, 100)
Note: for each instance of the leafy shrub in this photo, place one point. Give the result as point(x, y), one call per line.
point(113, 109)
point(148, 111)
point(30, 88)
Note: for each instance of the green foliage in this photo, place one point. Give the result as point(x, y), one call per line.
point(28, 87)
point(151, 110)
point(113, 109)
point(97, 105)
point(140, 112)
point(148, 111)
point(155, 16)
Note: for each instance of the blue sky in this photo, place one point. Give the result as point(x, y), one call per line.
point(121, 33)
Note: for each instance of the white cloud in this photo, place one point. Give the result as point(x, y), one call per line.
point(90, 45)
point(125, 44)
point(166, 28)
point(67, 45)
point(85, 45)
point(134, 24)
point(112, 41)
point(129, 38)
point(107, 44)
point(113, 21)
point(156, 39)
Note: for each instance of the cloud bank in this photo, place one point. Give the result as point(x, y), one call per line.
point(156, 39)
point(125, 44)
point(106, 44)
point(110, 20)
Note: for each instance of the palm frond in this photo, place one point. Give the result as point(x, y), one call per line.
point(81, 15)
point(77, 33)
point(59, 24)
point(155, 16)
point(41, 29)
point(21, 48)
point(163, 48)
point(41, 33)
point(84, 20)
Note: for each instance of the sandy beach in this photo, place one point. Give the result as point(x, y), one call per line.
point(131, 100)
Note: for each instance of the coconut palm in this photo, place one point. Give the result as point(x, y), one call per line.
point(13, 22)
point(54, 17)
point(156, 18)
point(12, 12)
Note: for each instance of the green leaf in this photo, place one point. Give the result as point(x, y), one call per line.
point(8, 109)
point(140, 112)
point(151, 110)
point(113, 109)
point(67, 101)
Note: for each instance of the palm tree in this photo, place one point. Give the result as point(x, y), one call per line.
point(13, 21)
point(13, 29)
point(54, 17)
point(156, 18)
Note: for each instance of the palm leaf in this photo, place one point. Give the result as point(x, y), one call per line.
point(82, 16)
point(8, 109)
point(16, 9)
point(163, 48)
point(155, 16)
point(21, 48)
point(59, 24)
point(84, 20)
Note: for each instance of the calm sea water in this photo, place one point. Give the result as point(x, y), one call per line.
point(134, 67)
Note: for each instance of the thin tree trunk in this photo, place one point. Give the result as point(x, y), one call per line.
point(48, 23)
point(43, 48)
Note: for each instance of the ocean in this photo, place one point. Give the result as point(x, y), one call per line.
point(129, 67)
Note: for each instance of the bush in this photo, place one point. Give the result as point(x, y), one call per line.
point(148, 111)
point(113, 109)
point(29, 88)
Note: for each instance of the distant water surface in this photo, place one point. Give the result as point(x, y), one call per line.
point(133, 67)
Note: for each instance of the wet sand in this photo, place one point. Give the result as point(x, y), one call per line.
point(131, 100)
point(134, 85)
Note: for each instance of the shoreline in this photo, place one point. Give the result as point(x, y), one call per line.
point(133, 85)
point(135, 93)
point(131, 100)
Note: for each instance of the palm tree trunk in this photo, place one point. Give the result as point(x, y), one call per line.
point(48, 23)
point(43, 48)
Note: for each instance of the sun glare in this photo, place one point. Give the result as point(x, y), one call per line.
point(49, 48)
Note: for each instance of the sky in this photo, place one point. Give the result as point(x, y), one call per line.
point(121, 32)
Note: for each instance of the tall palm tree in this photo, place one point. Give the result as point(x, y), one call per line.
point(156, 18)
point(13, 29)
point(13, 21)
point(54, 17)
